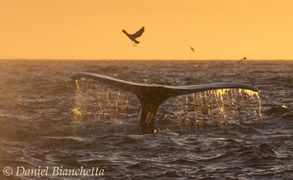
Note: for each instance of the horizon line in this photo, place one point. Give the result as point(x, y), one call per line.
point(64, 59)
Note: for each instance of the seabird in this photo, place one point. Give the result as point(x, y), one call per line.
point(192, 49)
point(242, 59)
point(133, 37)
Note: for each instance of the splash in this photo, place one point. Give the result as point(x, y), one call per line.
point(215, 107)
point(100, 105)
point(76, 115)
point(254, 95)
point(96, 104)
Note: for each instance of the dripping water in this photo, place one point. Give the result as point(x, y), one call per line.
point(97, 104)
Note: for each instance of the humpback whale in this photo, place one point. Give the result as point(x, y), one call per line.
point(151, 96)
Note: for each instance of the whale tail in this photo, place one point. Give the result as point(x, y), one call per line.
point(151, 96)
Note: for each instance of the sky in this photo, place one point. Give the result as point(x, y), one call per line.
point(91, 29)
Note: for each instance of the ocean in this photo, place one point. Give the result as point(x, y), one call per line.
point(56, 127)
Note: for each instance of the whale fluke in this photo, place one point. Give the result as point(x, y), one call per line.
point(151, 96)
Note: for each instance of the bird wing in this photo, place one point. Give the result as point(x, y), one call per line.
point(240, 60)
point(124, 32)
point(138, 33)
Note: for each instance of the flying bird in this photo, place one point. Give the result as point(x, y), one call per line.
point(192, 49)
point(242, 59)
point(133, 37)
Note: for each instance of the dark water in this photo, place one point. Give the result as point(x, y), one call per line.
point(39, 128)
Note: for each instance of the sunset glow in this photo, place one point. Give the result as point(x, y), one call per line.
point(91, 29)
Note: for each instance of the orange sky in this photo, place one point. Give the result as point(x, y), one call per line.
point(91, 29)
